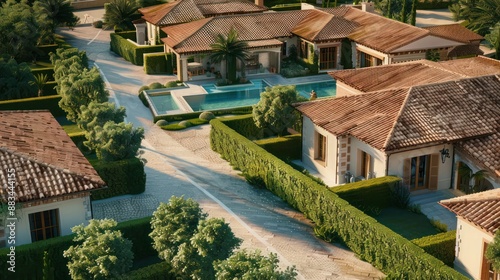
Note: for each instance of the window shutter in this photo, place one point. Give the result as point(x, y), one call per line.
point(406, 171)
point(434, 172)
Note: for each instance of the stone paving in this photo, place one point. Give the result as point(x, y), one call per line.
point(182, 163)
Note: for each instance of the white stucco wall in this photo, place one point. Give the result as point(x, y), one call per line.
point(72, 212)
point(378, 161)
point(328, 170)
point(469, 248)
point(396, 162)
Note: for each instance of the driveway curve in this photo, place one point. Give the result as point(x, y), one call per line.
point(182, 163)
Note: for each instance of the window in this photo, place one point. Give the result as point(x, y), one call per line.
point(364, 164)
point(320, 154)
point(328, 58)
point(366, 60)
point(44, 225)
point(421, 172)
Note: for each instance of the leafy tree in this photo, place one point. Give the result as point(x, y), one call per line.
point(493, 252)
point(77, 89)
point(114, 141)
point(54, 13)
point(101, 251)
point(482, 17)
point(173, 224)
point(19, 31)
point(16, 80)
point(229, 49)
point(119, 14)
point(213, 241)
point(274, 110)
point(252, 266)
point(63, 54)
point(98, 114)
point(398, 10)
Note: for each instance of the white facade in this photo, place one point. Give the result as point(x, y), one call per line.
point(469, 249)
point(72, 212)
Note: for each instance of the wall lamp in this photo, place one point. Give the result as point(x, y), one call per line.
point(445, 153)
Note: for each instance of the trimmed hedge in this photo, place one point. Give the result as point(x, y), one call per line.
point(245, 126)
point(372, 241)
point(441, 246)
point(122, 177)
point(50, 103)
point(194, 115)
point(128, 35)
point(136, 231)
point(50, 88)
point(285, 148)
point(157, 271)
point(370, 193)
point(129, 51)
point(45, 50)
point(156, 63)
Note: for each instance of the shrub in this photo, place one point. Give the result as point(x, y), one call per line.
point(97, 24)
point(400, 195)
point(285, 148)
point(370, 240)
point(121, 177)
point(192, 115)
point(161, 123)
point(368, 193)
point(50, 103)
point(207, 116)
point(156, 85)
point(171, 84)
point(439, 225)
point(142, 96)
point(157, 271)
point(49, 71)
point(185, 124)
point(441, 246)
point(155, 63)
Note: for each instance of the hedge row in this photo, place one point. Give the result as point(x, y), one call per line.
point(246, 127)
point(27, 255)
point(157, 271)
point(193, 115)
point(373, 242)
point(122, 177)
point(130, 51)
point(45, 50)
point(158, 63)
point(370, 193)
point(441, 246)
point(50, 103)
point(285, 148)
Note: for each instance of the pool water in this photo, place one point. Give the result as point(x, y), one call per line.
point(163, 103)
point(253, 85)
point(322, 89)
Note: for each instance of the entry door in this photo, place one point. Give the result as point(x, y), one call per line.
point(421, 172)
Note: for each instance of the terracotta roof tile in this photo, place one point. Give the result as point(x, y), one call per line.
point(368, 117)
point(319, 26)
point(226, 7)
point(464, 50)
point(455, 32)
point(46, 160)
point(472, 67)
point(381, 33)
point(481, 209)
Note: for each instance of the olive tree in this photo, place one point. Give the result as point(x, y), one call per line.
point(274, 110)
point(101, 251)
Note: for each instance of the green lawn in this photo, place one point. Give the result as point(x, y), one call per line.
point(408, 224)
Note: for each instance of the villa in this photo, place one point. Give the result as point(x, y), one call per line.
point(423, 125)
point(362, 37)
point(50, 177)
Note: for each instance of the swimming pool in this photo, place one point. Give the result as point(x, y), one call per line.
point(322, 89)
point(163, 102)
point(253, 85)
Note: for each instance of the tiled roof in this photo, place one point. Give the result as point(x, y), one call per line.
point(183, 11)
point(472, 67)
point(319, 26)
point(368, 117)
point(455, 32)
point(46, 160)
point(427, 114)
point(481, 209)
point(464, 50)
point(380, 33)
point(393, 76)
point(171, 13)
point(197, 36)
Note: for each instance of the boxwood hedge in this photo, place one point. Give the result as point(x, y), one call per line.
point(441, 245)
point(130, 51)
point(368, 193)
point(50, 103)
point(285, 148)
point(373, 242)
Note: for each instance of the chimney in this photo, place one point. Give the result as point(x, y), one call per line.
point(368, 7)
point(259, 2)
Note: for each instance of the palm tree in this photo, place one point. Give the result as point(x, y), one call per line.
point(40, 81)
point(229, 49)
point(494, 39)
point(119, 14)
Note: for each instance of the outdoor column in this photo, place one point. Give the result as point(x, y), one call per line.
point(182, 72)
